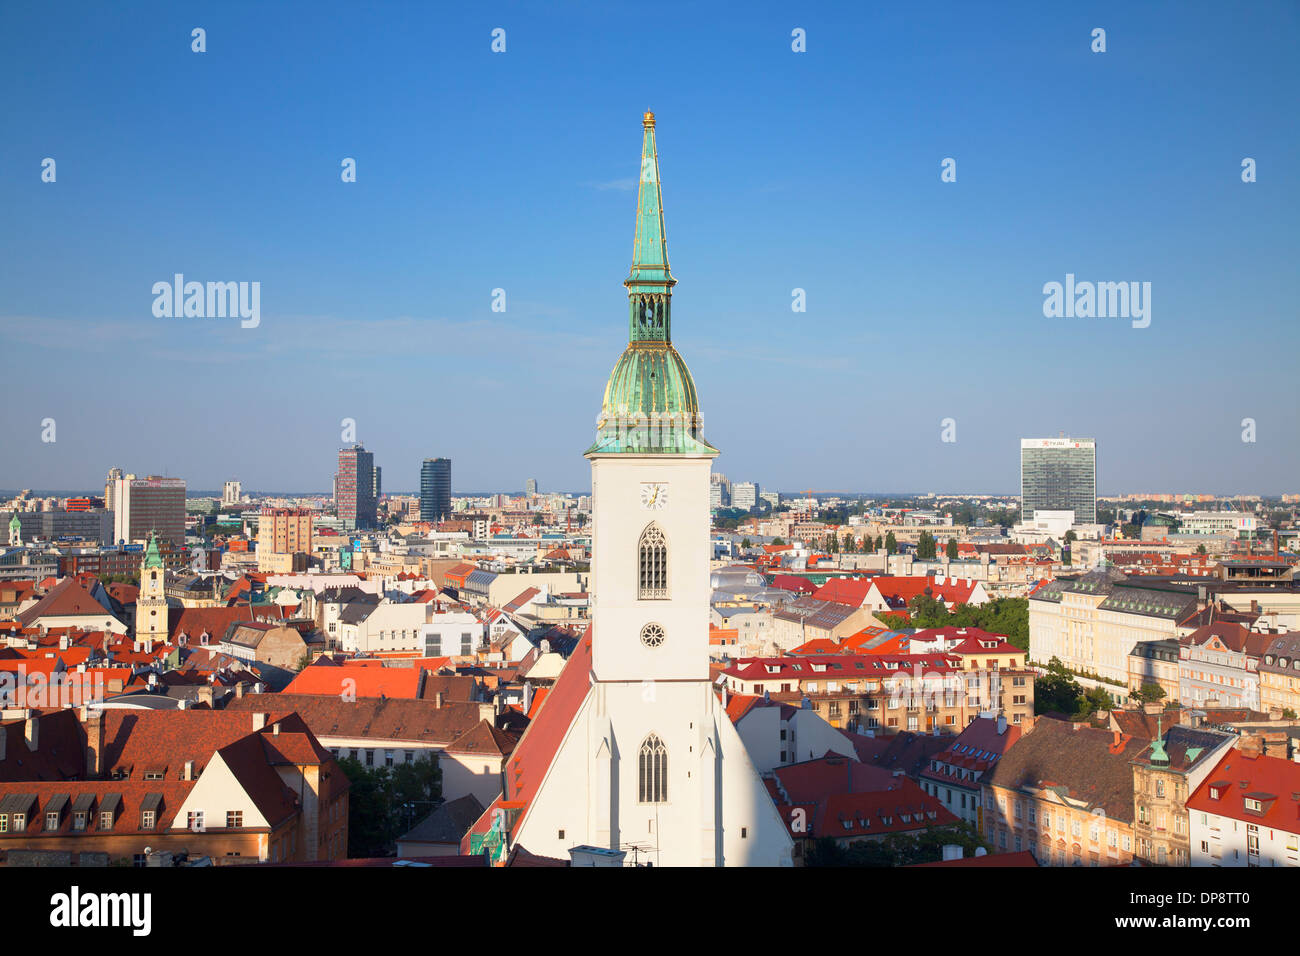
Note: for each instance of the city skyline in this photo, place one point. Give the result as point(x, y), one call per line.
point(768, 189)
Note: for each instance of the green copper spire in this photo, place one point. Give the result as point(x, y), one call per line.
point(650, 404)
point(152, 557)
point(1158, 754)
point(650, 283)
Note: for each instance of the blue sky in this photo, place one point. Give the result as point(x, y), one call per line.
point(781, 170)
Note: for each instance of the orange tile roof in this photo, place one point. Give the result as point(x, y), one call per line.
point(359, 681)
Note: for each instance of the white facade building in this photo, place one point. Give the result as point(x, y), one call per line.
point(744, 494)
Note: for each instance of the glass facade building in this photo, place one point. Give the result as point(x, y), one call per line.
point(1059, 474)
point(435, 489)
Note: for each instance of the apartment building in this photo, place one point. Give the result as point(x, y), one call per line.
point(1165, 774)
point(1245, 812)
point(1064, 792)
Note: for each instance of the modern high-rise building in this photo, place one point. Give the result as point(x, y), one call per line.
point(744, 494)
point(144, 505)
point(435, 489)
point(110, 488)
point(284, 530)
point(232, 492)
point(354, 488)
point(379, 484)
point(1059, 474)
point(284, 539)
point(719, 491)
point(530, 487)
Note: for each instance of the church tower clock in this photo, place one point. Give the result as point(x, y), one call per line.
point(151, 603)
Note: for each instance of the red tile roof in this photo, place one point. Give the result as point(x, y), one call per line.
point(1272, 781)
point(68, 598)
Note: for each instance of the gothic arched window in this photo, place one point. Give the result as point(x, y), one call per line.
point(652, 771)
point(652, 564)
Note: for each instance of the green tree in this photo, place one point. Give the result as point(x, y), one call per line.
point(1057, 691)
point(778, 541)
point(1094, 700)
point(370, 809)
point(891, 543)
point(897, 849)
point(385, 801)
point(746, 544)
point(951, 549)
point(925, 546)
point(1200, 549)
point(1150, 693)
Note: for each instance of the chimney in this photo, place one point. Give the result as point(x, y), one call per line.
point(188, 772)
point(32, 733)
point(94, 723)
point(1002, 724)
point(239, 690)
point(275, 729)
point(437, 700)
point(259, 720)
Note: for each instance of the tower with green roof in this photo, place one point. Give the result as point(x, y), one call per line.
point(650, 404)
point(151, 603)
point(649, 757)
point(650, 467)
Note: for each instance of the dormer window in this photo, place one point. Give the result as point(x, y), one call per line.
point(1253, 804)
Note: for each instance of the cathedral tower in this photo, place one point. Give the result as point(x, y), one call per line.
point(632, 752)
point(650, 480)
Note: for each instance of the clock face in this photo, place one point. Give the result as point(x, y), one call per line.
point(654, 495)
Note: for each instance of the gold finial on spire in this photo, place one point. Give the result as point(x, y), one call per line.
point(648, 121)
